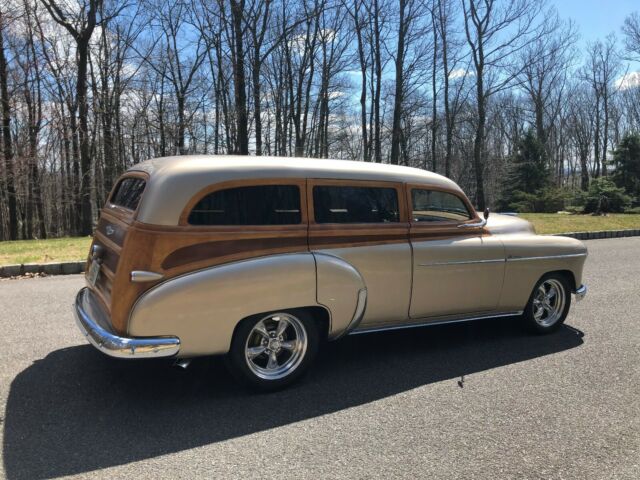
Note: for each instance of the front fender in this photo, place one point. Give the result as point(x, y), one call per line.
point(203, 308)
point(529, 257)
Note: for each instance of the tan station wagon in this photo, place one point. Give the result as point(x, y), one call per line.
point(260, 259)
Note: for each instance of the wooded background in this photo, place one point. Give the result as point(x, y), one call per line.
point(90, 87)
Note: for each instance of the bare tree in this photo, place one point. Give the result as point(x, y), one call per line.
point(496, 32)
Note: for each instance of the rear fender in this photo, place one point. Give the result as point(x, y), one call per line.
point(341, 289)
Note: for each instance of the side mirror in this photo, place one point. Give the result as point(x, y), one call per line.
point(486, 213)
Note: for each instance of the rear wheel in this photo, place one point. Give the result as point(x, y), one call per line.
point(271, 351)
point(549, 303)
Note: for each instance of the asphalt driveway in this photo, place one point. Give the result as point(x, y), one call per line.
point(477, 400)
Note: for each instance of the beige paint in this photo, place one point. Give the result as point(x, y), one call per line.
point(550, 253)
point(175, 180)
point(456, 275)
point(338, 286)
point(203, 308)
point(386, 271)
point(451, 278)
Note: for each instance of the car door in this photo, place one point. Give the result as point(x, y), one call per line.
point(365, 223)
point(458, 268)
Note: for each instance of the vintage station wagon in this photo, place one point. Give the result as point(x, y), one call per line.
point(260, 259)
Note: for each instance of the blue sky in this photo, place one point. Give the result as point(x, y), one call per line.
point(596, 18)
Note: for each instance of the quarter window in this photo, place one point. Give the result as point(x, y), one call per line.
point(436, 206)
point(128, 192)
point(252, 205)
point(334, 204)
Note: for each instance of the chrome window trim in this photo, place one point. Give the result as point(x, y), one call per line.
point(435, 321)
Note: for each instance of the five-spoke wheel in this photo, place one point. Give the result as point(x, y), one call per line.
point(276, 346)
point(270, 351)
point(549, 303)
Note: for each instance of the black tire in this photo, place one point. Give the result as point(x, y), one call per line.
point(554, 310)
point(247, 340)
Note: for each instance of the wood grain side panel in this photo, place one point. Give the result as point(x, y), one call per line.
point(214, 251)
point(173, 251)
point(344, 236)
point(111, 231)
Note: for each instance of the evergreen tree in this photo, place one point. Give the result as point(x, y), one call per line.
point(626, 159)
point(528, 174)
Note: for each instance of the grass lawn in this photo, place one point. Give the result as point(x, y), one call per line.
point(42, 251)
point(75, 249)
point(554, 223)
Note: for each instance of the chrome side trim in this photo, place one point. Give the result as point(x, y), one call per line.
point(462, 262)
point(580, 292)
point(141, 276)
point(436, 322)
point(358, 315)
point(88, 315)
point(515, 258)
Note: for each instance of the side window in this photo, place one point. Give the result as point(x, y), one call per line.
point(128, 192)
point(436, 206)
point(334, 204)
point(252, 205)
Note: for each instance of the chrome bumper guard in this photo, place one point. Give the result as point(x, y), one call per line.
point(95, 326)
point(580, 292)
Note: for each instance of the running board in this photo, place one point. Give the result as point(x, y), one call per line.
point(434, 321)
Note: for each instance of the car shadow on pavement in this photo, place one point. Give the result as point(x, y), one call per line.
point(77, 410)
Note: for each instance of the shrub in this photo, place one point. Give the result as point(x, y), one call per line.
point(544, 200)
point(603, 196)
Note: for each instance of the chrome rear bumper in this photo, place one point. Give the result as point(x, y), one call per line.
point(580, 292)
point(95, 326)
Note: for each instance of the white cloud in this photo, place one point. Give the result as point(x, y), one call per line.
point(460, 73)
point(628, 80)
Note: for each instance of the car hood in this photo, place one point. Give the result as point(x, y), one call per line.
point(498, 223)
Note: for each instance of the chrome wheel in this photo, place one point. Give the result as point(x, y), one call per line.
point(276, 346)
point(548, 302)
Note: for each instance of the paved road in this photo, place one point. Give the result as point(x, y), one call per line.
point(377, 406)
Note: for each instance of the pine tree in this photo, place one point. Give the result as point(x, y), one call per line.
point(626, 159)
point(528, 173)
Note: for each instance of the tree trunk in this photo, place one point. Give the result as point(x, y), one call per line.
point(239, 83)
point(7, 147)
point(396, 131)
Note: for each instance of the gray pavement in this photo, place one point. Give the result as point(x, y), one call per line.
point(481, 400)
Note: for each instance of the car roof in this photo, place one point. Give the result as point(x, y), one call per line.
point(173, 181)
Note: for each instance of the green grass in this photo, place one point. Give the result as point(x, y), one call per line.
point(75, 249)
point(43, 251)
point(558, 223)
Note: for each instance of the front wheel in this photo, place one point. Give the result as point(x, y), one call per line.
point(549, 303)
point(271, 351)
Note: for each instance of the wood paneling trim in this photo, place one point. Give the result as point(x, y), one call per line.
point(106, 241)
point(218, 250)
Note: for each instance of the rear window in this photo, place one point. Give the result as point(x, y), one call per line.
point(254, 205)
point(128, 192)
point(336, 204)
